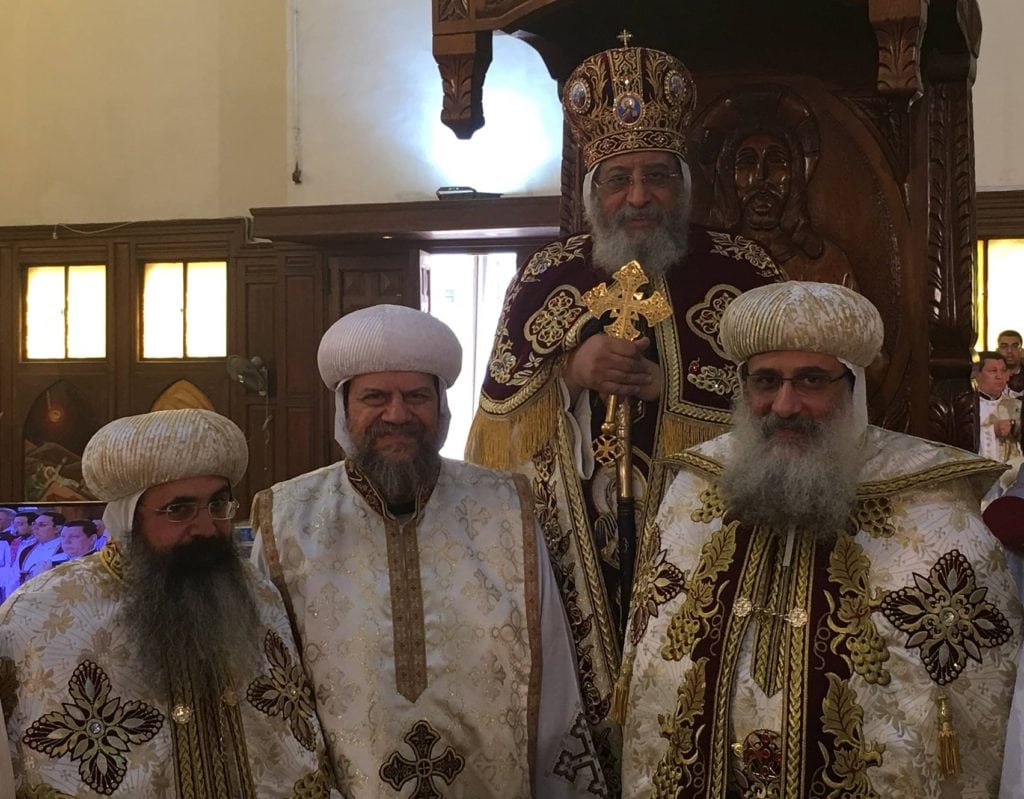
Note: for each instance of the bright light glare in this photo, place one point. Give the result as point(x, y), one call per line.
point(87, 311)
point(163, 299)
point(206, 310)
point(44, 312)
point(1005, 287)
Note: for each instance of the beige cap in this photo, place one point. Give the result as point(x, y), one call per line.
point(388, 338)
point(801, 316)
point(132, 453)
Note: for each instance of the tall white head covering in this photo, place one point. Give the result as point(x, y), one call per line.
point(387, 338)
point(802, 316)
point(134, 453)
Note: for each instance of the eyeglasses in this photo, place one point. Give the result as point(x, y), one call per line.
point(806, 384)
point(620, 183)
point(181, 512)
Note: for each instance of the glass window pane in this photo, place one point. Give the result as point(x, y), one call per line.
point(44, 312)
point(87, 311)
point(206, 310)
point(1005, 287)
point(163, 297)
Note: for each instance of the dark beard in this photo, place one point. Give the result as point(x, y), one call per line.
point(192, 610)
point(398, 482)
point(810, 487)
point(657, 250)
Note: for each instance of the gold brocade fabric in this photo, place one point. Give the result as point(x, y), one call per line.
point(87, 717)
point(421, 635)
point(828, 662)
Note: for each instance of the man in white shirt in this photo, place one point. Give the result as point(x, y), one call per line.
point(38, 557)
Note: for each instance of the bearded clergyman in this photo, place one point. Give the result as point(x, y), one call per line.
point(820, 610)
point(552, 367)
point(421, 591)
point(162, 665)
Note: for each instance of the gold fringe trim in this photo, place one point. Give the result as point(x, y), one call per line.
point(505, 441)
point(620, 694)
point(679, 433)
point(949, 744)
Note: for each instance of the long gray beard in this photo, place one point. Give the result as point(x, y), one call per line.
point(769, 484)
point(192, 610)
point(399, 482)
point(657, 250)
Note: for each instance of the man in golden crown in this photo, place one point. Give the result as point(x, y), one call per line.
point(421, 591)
point(162, 665)
point(553, 367)
point(819, 608)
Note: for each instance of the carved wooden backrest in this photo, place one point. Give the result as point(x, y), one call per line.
point(841, 140)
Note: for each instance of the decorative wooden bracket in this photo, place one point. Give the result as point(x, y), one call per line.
point(899, 28)
point(463, 59)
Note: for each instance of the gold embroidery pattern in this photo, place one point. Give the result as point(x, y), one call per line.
point(751, 252)
point(850, 619)
point(8, 686)
point(581, 759)
point(947, 617)
point(546, 327)
point(112, 559)
point(503, 362)
point(681, 764)
point(556, 253)
point(846, 769)
point(41, 792)
point(425, 767)
point(94, 729)
point(873, 517)
point(760, 763)
point(692, 621)
point(704, 317)
point(712, 506)
point(285, 692)
point(658, 583)
point(312, 786)
point(715, 380)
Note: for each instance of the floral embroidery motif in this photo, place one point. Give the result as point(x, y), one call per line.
point(658, 583)
point(873, 517)
point(712, 506)
point(312, 786)
point(681, 764)
point(847, 766)
point(424, 768)
point(556, 253)
point(545, 329)
point(850, 618)
point(947, 617)
point(715, 380)
point(583, 760)
point(704, 317)
point(751, 252)
point(692, 621)
point(94, 729)
point(284, 692)
point(760, 763)
point(503, 362)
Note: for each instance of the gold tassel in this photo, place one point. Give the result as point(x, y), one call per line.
point(505, 441)
point(678, 433)
point(620, 693)
point(949, 746)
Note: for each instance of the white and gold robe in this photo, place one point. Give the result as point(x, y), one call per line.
point(87, 717)
point(437, 644)
point(857, 670)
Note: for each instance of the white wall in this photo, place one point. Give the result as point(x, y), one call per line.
point(139, 109)
point(999, 97)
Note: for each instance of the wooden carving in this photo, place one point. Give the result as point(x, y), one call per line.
point(950, 263)
point(462, 80)
point(899, 56)
point(758, 147)
point(448, 10)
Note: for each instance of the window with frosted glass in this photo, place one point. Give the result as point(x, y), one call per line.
point(998, 286)
point(185, 309)
point(65, 312)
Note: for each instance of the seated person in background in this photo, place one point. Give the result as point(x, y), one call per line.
point(77, 538)
point(6, 524)
point(36, 557)
point(101, 534)
point(170, 669)
point(10, 578)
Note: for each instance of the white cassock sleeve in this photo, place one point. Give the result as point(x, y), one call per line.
point(578, 420)
point(566, 766)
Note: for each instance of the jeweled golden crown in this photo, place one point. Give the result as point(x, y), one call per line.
point(629, 99)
